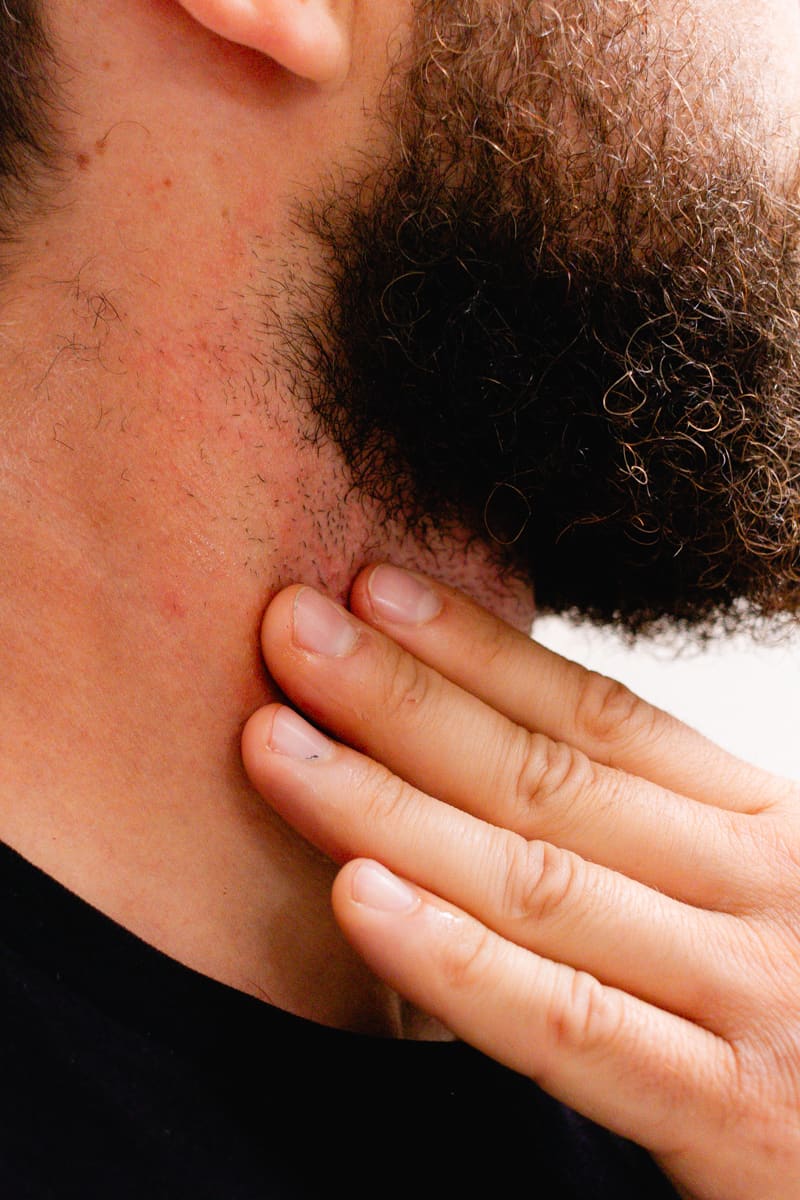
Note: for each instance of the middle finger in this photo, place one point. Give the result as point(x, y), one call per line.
point(447, 743)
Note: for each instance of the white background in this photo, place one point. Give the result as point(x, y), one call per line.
point(744, 695)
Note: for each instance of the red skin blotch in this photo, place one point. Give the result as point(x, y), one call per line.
point(172, 606)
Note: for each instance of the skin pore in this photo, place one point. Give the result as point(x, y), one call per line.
point(160, 479)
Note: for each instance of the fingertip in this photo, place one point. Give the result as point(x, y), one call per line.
point(374, 887)
point(389, 596)
point(276, 624)
point(256, 736)
point(342, 893)
point(345, 909)
point(359, 600)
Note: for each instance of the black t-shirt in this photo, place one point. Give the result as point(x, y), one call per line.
point(126, 1076)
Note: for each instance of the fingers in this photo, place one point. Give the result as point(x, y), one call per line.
point(539, 896)
point(542, 691)
point(450, 744)
point(628, 946)
point(599, 930)
point(643, 1073)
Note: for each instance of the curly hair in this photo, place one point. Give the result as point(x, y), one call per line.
point(564, 309)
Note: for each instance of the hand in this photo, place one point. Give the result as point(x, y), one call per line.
point(600, 898)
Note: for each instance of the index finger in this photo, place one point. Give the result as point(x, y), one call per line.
point(542, 691)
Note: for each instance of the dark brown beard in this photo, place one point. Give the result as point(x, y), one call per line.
point(564, 312)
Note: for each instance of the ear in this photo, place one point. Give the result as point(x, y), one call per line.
point(310, 38)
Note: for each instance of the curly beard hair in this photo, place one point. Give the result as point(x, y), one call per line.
point(562, 309)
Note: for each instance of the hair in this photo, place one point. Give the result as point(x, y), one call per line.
point(586, 351)
point(27, 104)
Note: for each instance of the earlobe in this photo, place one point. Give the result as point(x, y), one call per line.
point(310, 38)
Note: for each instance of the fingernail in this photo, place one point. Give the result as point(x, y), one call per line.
point(375, 887)
point(321, 626)
point(295, 738)
point(401, 597)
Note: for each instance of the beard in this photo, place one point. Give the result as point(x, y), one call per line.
point(559, 308)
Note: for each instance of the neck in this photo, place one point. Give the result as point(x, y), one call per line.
point(148, 515)
point(119, 722)
point(141, 536)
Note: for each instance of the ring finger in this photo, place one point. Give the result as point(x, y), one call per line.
point(539, 896)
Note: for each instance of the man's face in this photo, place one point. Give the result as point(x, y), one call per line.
point(562, 306)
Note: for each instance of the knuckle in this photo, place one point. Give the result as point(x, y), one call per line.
point(769, 853)
point(722, 993)
point(551, 775)
point(492, 646)
point(405, 689)
point(541, 881)
point(385, 797)
point(585, 1017)
point(771, 796)
point(468, 963)
point(779, 844)
point(608, 713)
point(708, 1001)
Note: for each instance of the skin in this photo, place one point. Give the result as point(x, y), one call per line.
point(157, 486)
point(563, 306)
point(156, 489)
point(570, 879)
